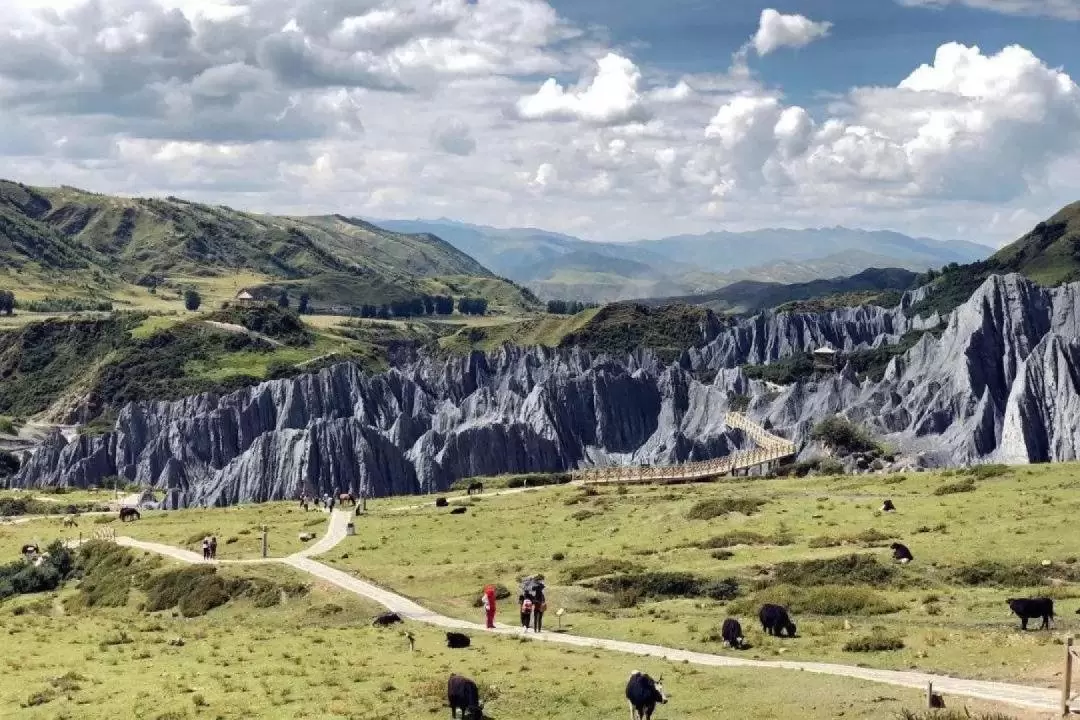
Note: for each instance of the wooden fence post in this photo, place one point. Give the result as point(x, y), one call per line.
point(265, 543)
point(1066, 679)
point(930, 695)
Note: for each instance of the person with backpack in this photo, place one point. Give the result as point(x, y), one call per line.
point(539, 607)
point(525, 602)
point(488, 601)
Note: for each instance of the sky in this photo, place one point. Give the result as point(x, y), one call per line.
point(606, 119)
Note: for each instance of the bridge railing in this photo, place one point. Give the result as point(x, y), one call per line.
point(770, 448)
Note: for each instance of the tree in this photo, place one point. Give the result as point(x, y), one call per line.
point(429, 304)
point(472, 306)
point(444, 305)
point(383, 312)
point(302, 305)
point(283, 299)
point(192, 300)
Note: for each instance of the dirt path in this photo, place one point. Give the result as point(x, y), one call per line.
point(1019, 695)
point(241, 330)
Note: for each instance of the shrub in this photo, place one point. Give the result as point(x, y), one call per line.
point(193, 590)
point(877, 641)
point(846, 570)
point(22, 578)
point(558, 557)
point(991, 572)
point(961, 486)
point(106, 571)
point(722, 554)
point(842, 434)
point(583, 515)
point(733, 538)
point(659, 585)
point(716, 507)
point(985, 472)
point(599, 567)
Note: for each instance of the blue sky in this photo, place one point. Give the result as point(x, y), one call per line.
point(605, 119)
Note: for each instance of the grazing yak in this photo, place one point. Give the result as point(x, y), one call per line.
point(732, 633)
point(462, 693)
point(457, 641)
point(901, 554)
point(386, 619)
point(458, 511)
point(129, 513)
point(441, 502)
point(476, 487)
point(1031, 608)
point(775, 620)
point(346, 499)
point(643, 693)
point(887, 506)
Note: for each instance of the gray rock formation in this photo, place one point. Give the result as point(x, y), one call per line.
point(1002, 382)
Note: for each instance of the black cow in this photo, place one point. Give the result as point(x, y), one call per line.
point(887, 506)
point(462, 693)
point(129, 513)
point(732, 633)
point(1031, 608)
point(643, 693)
point(457, 641)
point(386, 619)
point(458, 511)
point(441, 502)
point(901, 554)
point(776, 621)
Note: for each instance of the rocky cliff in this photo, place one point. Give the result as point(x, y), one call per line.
point(1001, 382)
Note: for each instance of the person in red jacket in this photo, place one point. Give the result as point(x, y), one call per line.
point(488, 601)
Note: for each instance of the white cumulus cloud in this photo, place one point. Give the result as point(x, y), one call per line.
point(777, 30)
point(610, 97)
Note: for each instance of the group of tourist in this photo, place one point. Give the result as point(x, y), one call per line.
point(209, 547)
point(532, 604)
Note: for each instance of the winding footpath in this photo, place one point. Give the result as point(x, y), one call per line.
point(1018, 695)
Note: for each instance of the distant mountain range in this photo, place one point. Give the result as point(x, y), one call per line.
point(561, 266)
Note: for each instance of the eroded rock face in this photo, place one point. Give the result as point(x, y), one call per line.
point(409, 430)
point(1001, 382)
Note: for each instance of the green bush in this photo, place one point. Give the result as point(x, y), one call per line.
point(877, 641)
point(985, 472)
point(598, 568)
point(22, 578)
point(846, 570)
point(841, 434)
point(660, 585)
point(991, 572)
point(828, 600)
point(106, 570)
point(722, 554)
point(961, 486)
point(717, 507)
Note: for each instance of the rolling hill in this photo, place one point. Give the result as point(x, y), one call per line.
point(560, 266)
point(747, 296)
point(91, 244)
point(1048, 255)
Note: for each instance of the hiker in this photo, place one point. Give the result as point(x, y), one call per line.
point(488, 601)
point(206, 548)
point(332, 501)
point(526, 603)
point(539, 607)
point(213, 547)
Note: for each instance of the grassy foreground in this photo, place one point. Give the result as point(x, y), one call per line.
point(314, 654)
point(666, 565)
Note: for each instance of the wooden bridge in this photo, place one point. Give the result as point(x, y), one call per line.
point(770, 450)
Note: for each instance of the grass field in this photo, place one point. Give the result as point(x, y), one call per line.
point(948, 607)
point(315, 655)
point(238, 528)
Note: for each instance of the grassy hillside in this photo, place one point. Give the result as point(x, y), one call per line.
point(723, 549)
point(310, 651)
point(1049, 255)
point(867, 287)
point(618, 328)
point(88, 244)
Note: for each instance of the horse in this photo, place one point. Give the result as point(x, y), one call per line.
point(69, 521)
point(344, 498)
point(129, 513)
point(476, 486)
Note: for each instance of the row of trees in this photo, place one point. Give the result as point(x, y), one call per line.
point(425, 305)
point(7, 302)
point(567, 307)
point(302, 305)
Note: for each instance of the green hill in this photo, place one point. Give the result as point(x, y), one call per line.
point(86, 244)
point(870, 286)
point(1048, 255)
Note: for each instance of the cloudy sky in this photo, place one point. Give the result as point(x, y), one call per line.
point(608, 119)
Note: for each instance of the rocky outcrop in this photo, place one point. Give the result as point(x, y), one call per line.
point(1001, 381)
point(412, 429)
